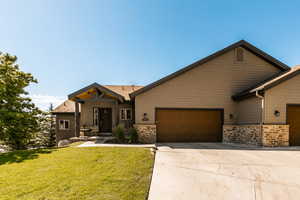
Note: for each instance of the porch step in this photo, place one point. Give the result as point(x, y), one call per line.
point(105, 134)
point(91, 138)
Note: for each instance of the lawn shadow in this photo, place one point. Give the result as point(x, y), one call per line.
point(22, 155)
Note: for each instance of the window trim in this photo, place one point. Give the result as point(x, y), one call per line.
point(124, 110)
point(64, 124)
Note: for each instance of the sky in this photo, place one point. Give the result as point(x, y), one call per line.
point(69, 44)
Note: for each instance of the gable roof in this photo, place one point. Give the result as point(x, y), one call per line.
point(241, 43)
point(269, 83)
point(121, 92)
point(67, 106)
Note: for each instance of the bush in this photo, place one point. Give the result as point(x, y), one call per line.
point(133, 135)
point(119, 133)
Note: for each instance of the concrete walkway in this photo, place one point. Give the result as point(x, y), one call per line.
point(219, 171)
point(93, 144)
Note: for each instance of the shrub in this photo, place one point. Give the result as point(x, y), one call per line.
point(133, 135)
point(119, 133)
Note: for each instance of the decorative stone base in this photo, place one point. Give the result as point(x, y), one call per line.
point(260, 135)
point(242, 134)
point(275, 135)
point(146, 133)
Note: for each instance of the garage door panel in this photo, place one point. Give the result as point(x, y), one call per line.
point(189, 125)
point(293, 119)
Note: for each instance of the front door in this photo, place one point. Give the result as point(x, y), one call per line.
point(105, 124)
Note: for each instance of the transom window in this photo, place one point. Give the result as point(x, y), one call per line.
point(64, 124)
point(125, 114)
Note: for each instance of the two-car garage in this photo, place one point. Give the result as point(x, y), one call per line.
point(189, 125)
point(205, 125)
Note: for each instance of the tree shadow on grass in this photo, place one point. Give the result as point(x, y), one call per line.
point(22, 155)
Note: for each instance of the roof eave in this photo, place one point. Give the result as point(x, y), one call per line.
point(98, 86)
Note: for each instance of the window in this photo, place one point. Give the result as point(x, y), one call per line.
point(95, 116)
point(125, 114)
point(239, 55)
point(64, 124)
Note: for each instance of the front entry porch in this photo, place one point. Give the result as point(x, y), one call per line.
point(101, 111)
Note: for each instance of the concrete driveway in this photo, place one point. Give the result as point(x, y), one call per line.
point(219, 171)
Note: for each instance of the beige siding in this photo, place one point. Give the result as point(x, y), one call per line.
point(249, 111)
point(65, 134)
point(209, 86)
point(278, 97)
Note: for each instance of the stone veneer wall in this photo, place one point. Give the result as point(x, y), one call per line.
point(275, 135)
point(265, 135)
point(242, 134)
point(146, 133)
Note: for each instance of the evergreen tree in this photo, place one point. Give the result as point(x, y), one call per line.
point(19, 117)
point(52, 135)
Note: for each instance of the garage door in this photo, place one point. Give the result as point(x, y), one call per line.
point(293, 119)
point(189, 125)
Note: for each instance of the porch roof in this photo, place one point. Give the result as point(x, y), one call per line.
point(120, 92)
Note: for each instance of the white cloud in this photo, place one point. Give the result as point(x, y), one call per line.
point(43, 101)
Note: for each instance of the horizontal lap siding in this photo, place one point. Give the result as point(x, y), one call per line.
point(278, 97)
point(209, 86)
point(249, 111)
point(65, 134)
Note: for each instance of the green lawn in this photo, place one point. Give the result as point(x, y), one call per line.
point(76, 173)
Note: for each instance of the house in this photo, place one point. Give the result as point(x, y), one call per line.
point(64, 120)
point(239, 94)
point(99, 109)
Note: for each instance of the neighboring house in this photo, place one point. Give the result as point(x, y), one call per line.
point(239, 94)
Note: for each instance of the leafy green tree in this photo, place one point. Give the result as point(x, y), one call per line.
point(19, 117)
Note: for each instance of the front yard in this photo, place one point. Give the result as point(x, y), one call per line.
point(76, 173)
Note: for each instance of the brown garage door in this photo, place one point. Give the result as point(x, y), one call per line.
point(293, 119)
point(189, 125)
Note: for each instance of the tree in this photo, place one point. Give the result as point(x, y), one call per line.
point(52, 135)
point(19, 117)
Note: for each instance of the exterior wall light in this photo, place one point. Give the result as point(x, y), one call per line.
point(145, 118)
point(276, 113)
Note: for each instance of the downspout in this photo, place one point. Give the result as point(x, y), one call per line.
point(262, 110)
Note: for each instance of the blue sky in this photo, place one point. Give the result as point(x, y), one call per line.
point(68, 44)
